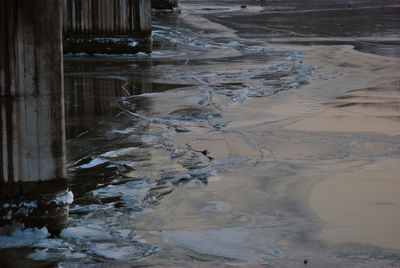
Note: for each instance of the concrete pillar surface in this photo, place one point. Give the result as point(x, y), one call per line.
point(32, 137)
point(107, 26)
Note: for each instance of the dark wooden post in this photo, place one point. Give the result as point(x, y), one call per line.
point(33, 187)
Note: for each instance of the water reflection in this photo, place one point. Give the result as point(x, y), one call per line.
point(88, 100)
point(124, 158)
point(371, 26)
point(91, 100)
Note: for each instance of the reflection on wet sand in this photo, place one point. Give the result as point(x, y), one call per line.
point(369, 25)
point(90, 97)
point(267, 162)
point(367, 211)
point(222, 150)
point(244, 167)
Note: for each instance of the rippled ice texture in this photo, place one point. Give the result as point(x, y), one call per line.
point(123, 115)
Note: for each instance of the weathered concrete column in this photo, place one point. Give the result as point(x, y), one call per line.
point(107, 26)
point(33, 187)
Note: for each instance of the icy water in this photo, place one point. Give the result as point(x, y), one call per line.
point(201, 155)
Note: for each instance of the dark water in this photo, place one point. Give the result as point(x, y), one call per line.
point(121, 112)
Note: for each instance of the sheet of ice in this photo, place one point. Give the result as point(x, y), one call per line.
point(121, 152)
point(126, 252)
point(110, 239)
point(17, 236)
point(64, 198)
point(124, 131)
point(48, 254)
point(91, 232)
point(217, 206)
point(237, 243)
point(133, 43)
point(132, 192)
point(93, 163)
point(51, 243)
point(233, 44)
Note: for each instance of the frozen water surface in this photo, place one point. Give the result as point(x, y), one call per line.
point(124, 114)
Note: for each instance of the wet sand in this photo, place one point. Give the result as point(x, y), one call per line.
point(300, 174)
point(360, 204)
point(311, 173)
point(367, 210)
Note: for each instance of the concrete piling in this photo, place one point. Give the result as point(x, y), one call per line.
point(107, 26)
point(33, 188)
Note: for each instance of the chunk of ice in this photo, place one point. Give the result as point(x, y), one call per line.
point(92, 232)
point(121, 152)
point(65, 198)
point(17, 236)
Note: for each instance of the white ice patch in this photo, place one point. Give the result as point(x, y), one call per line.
point(132, 193)
point(17, 236)
point(31, 204)
point(141, 54)
point(91, 232)
point(46, 254)
point(80, 54)
point(216, 206)
point(161, 27)
point(125, 252)
point(249, 244)
point(65, 198)
point(124, 131)
point(122, 152)
point(51, 243)
point(133, 44)
point(111, 251)
point(125, 233)
point(233, 44)
point(94, 163)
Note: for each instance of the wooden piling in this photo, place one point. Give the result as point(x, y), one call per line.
point(32, 137)
point(107, 26)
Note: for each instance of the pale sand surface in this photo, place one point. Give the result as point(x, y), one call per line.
point(299, 174)
point(338, 120)
point(311, 172)
point(361, 205)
